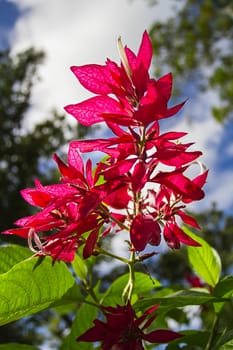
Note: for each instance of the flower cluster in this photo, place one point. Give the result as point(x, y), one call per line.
point(124, 331)
point(141, 185)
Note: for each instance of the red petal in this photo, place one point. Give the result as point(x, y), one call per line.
point(180, 184)
point(187, 219)
point(145, 51)
point(90, 243)
point(164, 85)
point(120, 168)
point(120, 119)
point(35, 197)
point(21, 232)
point(59, 190)
point(61, 250)
point(92, 77)
point(89, 111)
point(172, 135)
point(96, 333)
point(89, 202)
point(74, 159)
point(139, 177)
point(161, 336)
point(200, 180)
point(64, 169)
point(173, 110)
point(170, 238)
point(90, 145)
point(144, 230)
point(176, 157)
point(182, 237)
point(118, 199)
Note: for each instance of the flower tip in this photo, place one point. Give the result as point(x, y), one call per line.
point(123, 57)
point(73, 69)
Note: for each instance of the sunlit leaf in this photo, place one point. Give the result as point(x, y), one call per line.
point(15, 346)
point(204, 260)
point(79, 267)
point(190, 337)
point(227, 346)
point(178, 299)
point(12, 254)
point(31, 286)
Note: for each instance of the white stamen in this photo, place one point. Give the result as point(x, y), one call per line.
point(124, 58)
point(32, 236)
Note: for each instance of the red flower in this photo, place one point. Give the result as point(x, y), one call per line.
point(139, 100)
point(70, 209)
point(194, 281)
point(167, 206)
point(124, 331)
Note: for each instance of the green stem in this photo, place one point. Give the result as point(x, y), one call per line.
point(105, 252)
point(128, 290)
point(118, 222)
point(92, 304)
point(209, 345)
point(92, 294)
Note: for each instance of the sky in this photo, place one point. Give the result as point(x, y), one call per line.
point(76, 32)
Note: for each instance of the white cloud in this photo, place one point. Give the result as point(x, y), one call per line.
point(75, 33)
point(220, 189)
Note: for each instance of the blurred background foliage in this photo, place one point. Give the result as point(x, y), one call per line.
point(196, 44)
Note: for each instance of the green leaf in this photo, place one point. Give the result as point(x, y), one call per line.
point(80, 268)
point(82, 322)
point(15, 346)
point(178, 299)
point(12, 254)
point(143, 284)
point(227, 346)
point(224, 288)
point(68, 302)
point(204, 260)
point(225, 340)
point(191, 337)
point(31, 286)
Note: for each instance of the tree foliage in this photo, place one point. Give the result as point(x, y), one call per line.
point(197, 45)
point(25, 153)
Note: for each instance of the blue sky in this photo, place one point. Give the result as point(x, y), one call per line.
point(77, 32)
point(8, 15)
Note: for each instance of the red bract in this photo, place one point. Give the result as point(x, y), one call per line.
point(124, 331)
